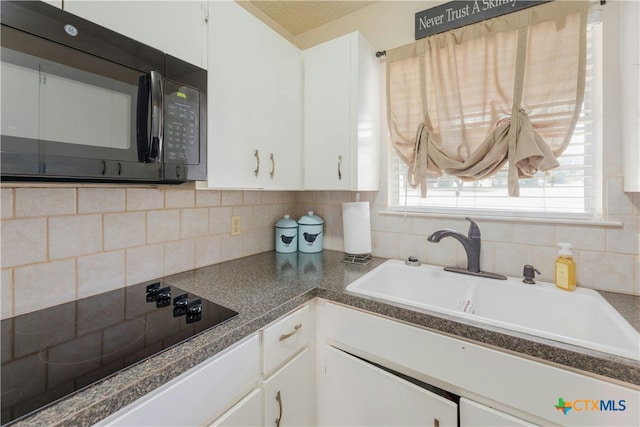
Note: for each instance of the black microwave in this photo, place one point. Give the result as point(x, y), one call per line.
point(83, 103)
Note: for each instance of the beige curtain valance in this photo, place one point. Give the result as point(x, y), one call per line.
point(466, 101)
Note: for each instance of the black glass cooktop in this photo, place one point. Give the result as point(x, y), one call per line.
point(51, 353)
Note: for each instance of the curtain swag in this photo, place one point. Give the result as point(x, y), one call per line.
point(508, 89)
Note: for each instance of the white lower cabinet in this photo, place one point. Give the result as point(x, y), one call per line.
point(247, 412)
point(473, 414)
point(362, 394)
point(288, 394)
point(506, 389)
point(200, 394)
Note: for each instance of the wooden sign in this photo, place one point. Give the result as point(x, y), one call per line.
point(455, 14)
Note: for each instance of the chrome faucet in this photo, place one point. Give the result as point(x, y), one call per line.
point(471, 244)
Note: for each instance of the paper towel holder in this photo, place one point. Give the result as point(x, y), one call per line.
point(363, 259)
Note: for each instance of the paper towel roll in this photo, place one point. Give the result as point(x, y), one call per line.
point(356, 226)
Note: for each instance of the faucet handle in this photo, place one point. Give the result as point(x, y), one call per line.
point(474, 230)
point(529, 274)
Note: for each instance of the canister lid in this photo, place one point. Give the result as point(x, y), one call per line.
point(286, 222)
point(310, 219)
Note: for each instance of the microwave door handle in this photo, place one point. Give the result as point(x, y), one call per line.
point(156, 90)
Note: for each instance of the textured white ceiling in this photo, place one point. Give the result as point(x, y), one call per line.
point(298, 16)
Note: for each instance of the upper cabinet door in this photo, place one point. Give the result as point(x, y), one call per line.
point(255, 99)
point(341, 115)
point(178, 28)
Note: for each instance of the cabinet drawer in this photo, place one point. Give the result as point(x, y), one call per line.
point(199, 394)
point(285, 338)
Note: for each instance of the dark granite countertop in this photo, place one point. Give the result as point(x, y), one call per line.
point(266, 286)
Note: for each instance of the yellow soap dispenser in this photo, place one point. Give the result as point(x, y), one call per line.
point(565, 268)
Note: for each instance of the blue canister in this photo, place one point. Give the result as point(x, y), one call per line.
point(286, 235)
point(310, 233)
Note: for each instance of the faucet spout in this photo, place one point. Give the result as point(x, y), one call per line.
point(471, 243)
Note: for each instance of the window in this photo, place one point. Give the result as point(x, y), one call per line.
point(570, 190)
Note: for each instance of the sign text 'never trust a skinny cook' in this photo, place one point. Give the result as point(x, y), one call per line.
point(455, 14)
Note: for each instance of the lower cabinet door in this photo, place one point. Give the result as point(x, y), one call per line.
point(357, 393)
point(247, 412)
point(288, 394)
point(475, 414)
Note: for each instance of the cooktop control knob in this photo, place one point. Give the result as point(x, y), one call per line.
point(194, 311)
point(163, 297)
point(180, 305)
point(152, 291)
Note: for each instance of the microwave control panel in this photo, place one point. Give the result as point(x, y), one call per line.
point(181, 124)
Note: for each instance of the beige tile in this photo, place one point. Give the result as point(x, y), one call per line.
point(179, 198)
point(444, 253)
point(252, 198)
point(247, 218)
point(163, 225)
point(610, 272)
point(624, 240)
point(144, 198)
point(179, 256)
point(207, 198)
point(385, 245)
point(616, 201)
point(94, 200)
point(24, 241)
point(220, 220)
point(587, 238)
point(534, 234)
point(74, 235)
point(44, 285)
point(6, 203)
point(544, 259)
point(493, 231)
point(124, 230)
point(144, 263)
point(30, 202)
point(230, 247)
point(195, 223)
point(261, 215)
point(6, 298)
point(510, 259)
point(412, 245)
point(231, 198)
point(207, 250)
point(100, 273)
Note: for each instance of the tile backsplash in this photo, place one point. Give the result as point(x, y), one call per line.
point(64, 243)
point(61, 243)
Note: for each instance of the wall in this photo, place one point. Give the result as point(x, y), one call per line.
point(607, 256)
point(60, 243)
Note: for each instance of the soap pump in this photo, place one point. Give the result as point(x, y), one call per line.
point(565, 268)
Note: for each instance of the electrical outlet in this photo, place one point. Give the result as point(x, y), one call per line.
point(235, 225)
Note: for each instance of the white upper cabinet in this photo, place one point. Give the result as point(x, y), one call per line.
point(178, 28)
point(255, 101)
point(341, 115)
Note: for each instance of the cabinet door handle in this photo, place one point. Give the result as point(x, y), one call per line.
point(257, 155)
point(273, 165)
point(279, 400)
point(296, 329)
point(340, 167)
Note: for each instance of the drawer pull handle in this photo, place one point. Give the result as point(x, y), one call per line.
point(257, 169)
point(279, 399)
point(290, 334)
